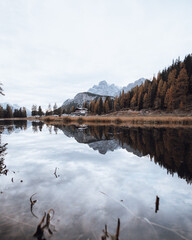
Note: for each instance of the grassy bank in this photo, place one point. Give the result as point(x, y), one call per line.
point(122, 120)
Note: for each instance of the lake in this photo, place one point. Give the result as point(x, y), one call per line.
point(79, 182)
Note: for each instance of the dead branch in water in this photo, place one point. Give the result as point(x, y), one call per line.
point(39, 234)
point(32, 204)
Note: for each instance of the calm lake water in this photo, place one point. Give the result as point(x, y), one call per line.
point(69, 182)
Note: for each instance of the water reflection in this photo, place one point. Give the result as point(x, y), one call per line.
point(37, 125)
point(9, 126)
point(71, 192)
point(171, 148)
point(3, 167)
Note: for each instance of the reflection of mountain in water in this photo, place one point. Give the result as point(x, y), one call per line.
point(169, 147)
point(98, 138)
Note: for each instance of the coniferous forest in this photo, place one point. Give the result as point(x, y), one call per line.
point(170, 90)
point(8, 112)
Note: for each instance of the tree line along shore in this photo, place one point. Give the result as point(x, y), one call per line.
point(165, 99)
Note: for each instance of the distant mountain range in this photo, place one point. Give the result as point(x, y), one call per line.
point(14, 106)
point(103, 89)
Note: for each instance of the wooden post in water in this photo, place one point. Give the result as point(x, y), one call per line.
point(118, 230)
point(157, 204)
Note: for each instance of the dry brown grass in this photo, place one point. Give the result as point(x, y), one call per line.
point(128, 120)
point(116, 120)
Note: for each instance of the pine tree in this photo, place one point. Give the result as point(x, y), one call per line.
point(9, 112)
point(169, 98)
point(157, 102)
point(182, 87)
point(1, 112)
point(122, 100)
point(40, 112)
point(24, 112)
point(100, 107)
point(116, 104)
point(140, 98)
point(34, 110)
point(134, 99)
point(172, 77)
point(106, 106)
point(127, 99)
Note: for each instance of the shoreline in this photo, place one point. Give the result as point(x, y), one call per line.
point(121, 120)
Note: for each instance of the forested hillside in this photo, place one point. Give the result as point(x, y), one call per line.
point(170, 90)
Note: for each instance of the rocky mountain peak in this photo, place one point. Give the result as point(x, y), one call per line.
point(105, 89)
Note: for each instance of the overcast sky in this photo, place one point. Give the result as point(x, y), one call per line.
point(52, 49)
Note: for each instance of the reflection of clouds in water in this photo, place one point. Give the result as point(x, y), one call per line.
point(76, 194)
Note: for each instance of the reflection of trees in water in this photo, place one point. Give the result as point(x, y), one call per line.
point(37, 126)
point(3, 169)
point(10, 126)
point(169, 147)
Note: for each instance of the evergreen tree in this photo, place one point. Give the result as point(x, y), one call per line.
point(140, 98)
point(1, 112)
point(34, 110)
point(116, 104)
point(40, 112)
point(122, 100)
point(182, 86)
point(169, 98)
point(9, 112)
point(157, 102)
point(127, 99)
point(100, 110)
point(106, 106)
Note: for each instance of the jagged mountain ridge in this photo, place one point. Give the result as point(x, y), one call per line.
point(103, 89)
point(80, 98)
